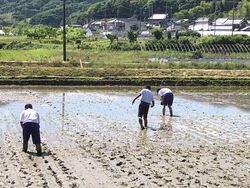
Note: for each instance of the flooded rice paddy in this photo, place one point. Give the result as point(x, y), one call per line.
point(91, 138)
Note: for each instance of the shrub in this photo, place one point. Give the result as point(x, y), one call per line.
point(158, 34)
point(2, 45)
point(197, 54)
point(189, 33)
point(112, 38)
point(21, 45)
point(237, 39)
point(125, 46)
point(132, 36)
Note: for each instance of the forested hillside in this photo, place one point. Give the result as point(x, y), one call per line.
point(49, 12)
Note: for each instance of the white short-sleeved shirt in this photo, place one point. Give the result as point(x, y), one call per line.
point(146, 95)
point(163, 91)
point(29, 115)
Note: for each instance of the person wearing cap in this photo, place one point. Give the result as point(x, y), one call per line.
point(29, 120)
point(147, 98)
point(167, 98)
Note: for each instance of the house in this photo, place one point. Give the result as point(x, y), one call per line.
point(133, 24)
point(159, 20)
point(226, 24)
point(115, 25)
point(201, 24)
point(2, 33)
point(178, 25)
point(98, 25)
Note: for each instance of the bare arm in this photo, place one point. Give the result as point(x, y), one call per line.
point(136, 98)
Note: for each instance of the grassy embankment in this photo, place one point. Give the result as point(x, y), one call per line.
point(115, 67)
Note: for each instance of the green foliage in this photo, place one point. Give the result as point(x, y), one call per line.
point(41, 32)
point(197, 54)
point(15, 45)
point(157, 33)
point(74, 34)
point(189, 33)
point(236, 39)
point(132, 36)
point(125, 46)
point(49, 12)
point(112, 38)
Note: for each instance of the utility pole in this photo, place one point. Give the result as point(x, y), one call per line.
point(233, 19)
point(64, 33)
point(215, 15)
point(140, 18)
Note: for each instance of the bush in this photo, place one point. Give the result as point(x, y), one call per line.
point(197, 54)
point(2, 45)
point(21, 45)
point(237, 39)
point(125, 46)
point(189, 33)
point(132, 36)
point(158, 34)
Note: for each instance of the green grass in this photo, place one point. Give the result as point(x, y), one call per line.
point(99, 56)
point(40, 55)
point(120, 59)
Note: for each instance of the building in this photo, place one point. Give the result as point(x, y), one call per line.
point(158, 20)
point(133, 24)
point(226, 24)
point(2, 33)
point(178, 25)
point(115, 25)
point(201, 24)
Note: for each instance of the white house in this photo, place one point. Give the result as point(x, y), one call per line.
point(158, 20)
point(116, 25)
point(2, 33)
point(178, 25)
point(201, 24)
point(226, 24)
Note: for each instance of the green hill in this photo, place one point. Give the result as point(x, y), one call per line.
point(49, 12)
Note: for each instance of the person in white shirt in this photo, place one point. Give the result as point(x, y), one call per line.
point(29, 120)
point(147, 98)
point(167, 98)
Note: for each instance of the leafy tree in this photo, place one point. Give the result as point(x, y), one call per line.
point(75, 34)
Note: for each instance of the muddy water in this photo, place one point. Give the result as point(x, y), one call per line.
point(199, 117)
point(93, 134)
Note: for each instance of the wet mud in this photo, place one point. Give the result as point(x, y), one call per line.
point(91, 138)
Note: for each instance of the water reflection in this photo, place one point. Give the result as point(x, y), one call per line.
point(63, 110)
point(166, 124)
point(142, 137)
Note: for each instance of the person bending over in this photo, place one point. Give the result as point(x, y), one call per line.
point(147, 98)
point(167, 98)
point(29, 120)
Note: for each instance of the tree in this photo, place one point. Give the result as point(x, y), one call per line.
point(158, 34)
point(132, 36)
point(74, 34)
